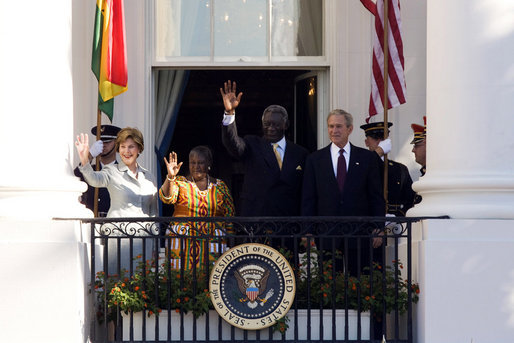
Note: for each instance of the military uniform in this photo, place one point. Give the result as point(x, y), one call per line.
point(420, 133)
point(88, 197)
point(107, 133)
point(400, 196)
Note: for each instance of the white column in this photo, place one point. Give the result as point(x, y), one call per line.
point(470, 102)
point(466, 281)
point(36, 112)
point(42, 262)
point(465, 263)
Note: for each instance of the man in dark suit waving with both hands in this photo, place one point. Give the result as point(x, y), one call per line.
point(343, 180)
point(273, 165)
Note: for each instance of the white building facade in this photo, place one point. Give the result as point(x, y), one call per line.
point(458, 72)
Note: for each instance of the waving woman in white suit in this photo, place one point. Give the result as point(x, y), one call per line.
point(131, 187)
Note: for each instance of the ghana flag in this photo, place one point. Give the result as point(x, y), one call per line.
point(109, 62)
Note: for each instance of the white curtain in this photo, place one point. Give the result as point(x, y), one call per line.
point(182, 28)
point(167, 29)
point(296, 28)
point(284, 28)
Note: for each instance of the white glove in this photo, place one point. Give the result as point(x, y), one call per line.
point(97, 148)
point(389, 224)
point(396, 228)
point(385, 145)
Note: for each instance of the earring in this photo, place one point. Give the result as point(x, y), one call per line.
point(208, 168)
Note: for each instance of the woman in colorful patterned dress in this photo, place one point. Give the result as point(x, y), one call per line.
point(197, 195)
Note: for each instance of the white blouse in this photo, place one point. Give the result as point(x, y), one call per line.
point(130, 197)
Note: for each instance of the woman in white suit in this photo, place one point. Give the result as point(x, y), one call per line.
point(131, 187)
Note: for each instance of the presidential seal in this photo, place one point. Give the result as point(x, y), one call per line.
point(252, 286)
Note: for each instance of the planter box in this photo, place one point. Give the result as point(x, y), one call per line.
point(226, 329)
point(327, 325)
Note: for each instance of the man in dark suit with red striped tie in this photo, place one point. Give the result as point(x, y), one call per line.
point(343, 180)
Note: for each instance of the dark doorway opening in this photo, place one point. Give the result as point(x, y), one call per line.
point(199, 117)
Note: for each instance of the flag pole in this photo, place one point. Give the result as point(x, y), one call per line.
point(386, 94)
point(98, 158)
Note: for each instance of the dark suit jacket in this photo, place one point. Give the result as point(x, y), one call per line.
point(88, 197)
point(400, 196)
point(267, 190)
point(363, 191)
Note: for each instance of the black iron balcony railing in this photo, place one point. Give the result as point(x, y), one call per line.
point(151, 277)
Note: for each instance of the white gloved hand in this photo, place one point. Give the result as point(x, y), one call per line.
point(385, 145)
point(389, 224)
point(97, 148)
point(396, 228)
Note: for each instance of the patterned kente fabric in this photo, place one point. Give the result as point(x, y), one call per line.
point(190, 201)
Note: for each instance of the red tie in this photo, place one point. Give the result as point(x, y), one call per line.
point(341, 170)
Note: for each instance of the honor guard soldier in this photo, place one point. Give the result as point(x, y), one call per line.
point(105, 147)
point(400, 196)
point(420, 149)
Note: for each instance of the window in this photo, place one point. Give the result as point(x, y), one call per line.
point(252, 30)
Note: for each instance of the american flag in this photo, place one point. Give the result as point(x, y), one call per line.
point(396, 81)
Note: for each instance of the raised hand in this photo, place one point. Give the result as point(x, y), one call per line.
point(230, 100)
point(172, 166)
point(82, 144)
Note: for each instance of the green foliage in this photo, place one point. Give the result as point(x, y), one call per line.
point(382, 290)
point(281, 325)
point(153, 289)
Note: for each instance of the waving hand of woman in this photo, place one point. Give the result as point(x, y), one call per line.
point(172, 166)
point(82, 145)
